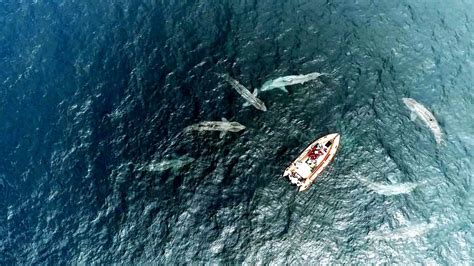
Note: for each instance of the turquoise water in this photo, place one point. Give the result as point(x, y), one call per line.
point(96, 168)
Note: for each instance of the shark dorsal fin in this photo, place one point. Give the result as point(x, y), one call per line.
point(255, 92)
point(224, 119)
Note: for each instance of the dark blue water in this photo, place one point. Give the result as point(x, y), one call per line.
point(95, 167)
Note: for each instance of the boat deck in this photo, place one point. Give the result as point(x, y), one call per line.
point(308, 165)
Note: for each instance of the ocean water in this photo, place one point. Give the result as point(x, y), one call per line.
point(95, 167)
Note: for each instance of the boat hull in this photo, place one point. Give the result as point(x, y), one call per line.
point(306, 168)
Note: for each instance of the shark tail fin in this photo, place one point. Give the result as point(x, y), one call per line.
point(222, 134)
point(283, 89)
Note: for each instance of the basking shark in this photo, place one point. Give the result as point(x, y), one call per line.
point(394, 189)
point(389, 189)
point(223, 126)
point(406, 232)
point(281, 82)
point(251, 98)
point(420, 111)
point(161, 166)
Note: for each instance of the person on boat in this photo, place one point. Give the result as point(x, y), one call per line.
point(294, 180)
point(315, 152)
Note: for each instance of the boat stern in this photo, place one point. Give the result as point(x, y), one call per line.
point(331, 140)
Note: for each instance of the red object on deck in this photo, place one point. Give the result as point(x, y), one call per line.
point(314, 153)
